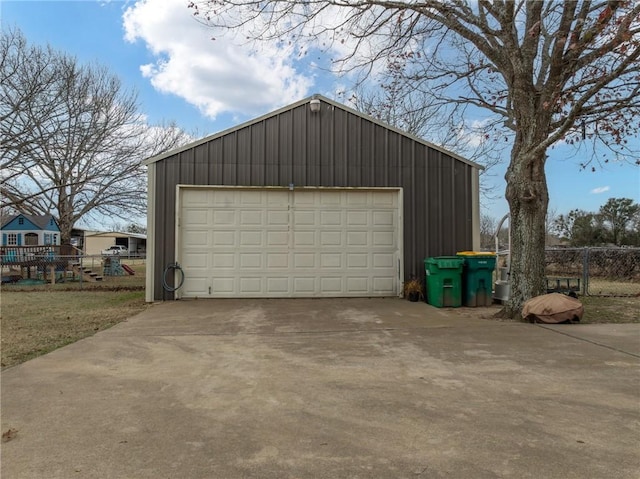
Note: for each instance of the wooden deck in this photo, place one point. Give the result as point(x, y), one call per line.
point(33, 260)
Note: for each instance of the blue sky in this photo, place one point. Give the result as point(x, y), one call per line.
point(181, 74)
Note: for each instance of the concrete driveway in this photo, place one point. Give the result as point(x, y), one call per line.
point(358, 388)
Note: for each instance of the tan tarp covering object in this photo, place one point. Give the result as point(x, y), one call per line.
point(552, 308)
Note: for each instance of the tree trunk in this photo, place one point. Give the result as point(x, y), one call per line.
point(65, 218)
point(528, 198)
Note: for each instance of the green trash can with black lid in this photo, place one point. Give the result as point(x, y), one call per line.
point(444, 281)
point(477, 278)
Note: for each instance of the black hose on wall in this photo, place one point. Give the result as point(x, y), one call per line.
point(172, 267)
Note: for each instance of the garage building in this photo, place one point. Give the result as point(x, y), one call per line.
point(312, 200)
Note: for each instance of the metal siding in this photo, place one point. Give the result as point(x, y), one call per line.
point(257, 163)
point(201, 166)
point(464, 208)
point(313, 146)
point(243, 154)
point(271, 152)
point(285, 135)
point(229, 159)
point(333, 148)
point(410, 204)
point(420, 201)
point(187, 167)
point(432, 187)
point(353, 135)
point(215, 162)
point(448, 207)
point(367, 165)
point(324, 139)
point(299, 136)
point(341, 152)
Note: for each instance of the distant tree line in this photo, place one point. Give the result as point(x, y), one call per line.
point(617, 222)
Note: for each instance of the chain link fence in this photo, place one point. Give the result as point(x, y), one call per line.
point(594, 271)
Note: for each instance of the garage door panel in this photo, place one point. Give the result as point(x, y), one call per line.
point(304, 218)
point(222, 284)
point(197, 239)
point(249, 285)
point(224, 217)
point(358, 284)
point(251, 217)
point(383, 218)
point(251, 260)
point(357, 260)
point(304, 260)
point(389, 201)
point(281, 243)
point(275, 198)
point(277, 285)
point(331, 218)
point(224, 198)
point(358, 238)
point(331, 260)
point(357, 198)
point(248, 197)
point(383, 238)
point(196, 261)
point(196, 217)
point(278, 218)
point(382, 284)
point(331, 238)
point(304, 285)
point(327, 198)
point(331, 284)
point(304, 238)
point(223, 260)
point(252, 238)
point(358, 218)
point(197, 285)
point(383, 260)
point(277, 260)
point(277, 238)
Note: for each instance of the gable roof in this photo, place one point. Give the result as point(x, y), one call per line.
point(335, 104)
point(117, 234)
point(41, 222)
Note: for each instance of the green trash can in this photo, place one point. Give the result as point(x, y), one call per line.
point(444, 278)
point(477, 278)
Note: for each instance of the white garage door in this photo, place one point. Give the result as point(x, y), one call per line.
point(276, 242)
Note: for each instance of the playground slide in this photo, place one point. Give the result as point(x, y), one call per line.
point(127, 268)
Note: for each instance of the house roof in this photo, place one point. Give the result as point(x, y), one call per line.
point(335, 104)
point(117, 234)
point(41, 221)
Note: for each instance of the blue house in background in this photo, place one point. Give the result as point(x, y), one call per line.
point(30, 230)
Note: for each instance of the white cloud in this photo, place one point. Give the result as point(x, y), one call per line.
point(600, 189)
point(214, 75)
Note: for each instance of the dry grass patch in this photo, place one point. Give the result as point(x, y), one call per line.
point(597, 309)
point(606, 309)
point(37, 322)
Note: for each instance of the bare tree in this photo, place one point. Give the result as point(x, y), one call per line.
point(27, 80)
point(73, 139)
point(397, 102)
point(487, 231)
point(545, 71)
